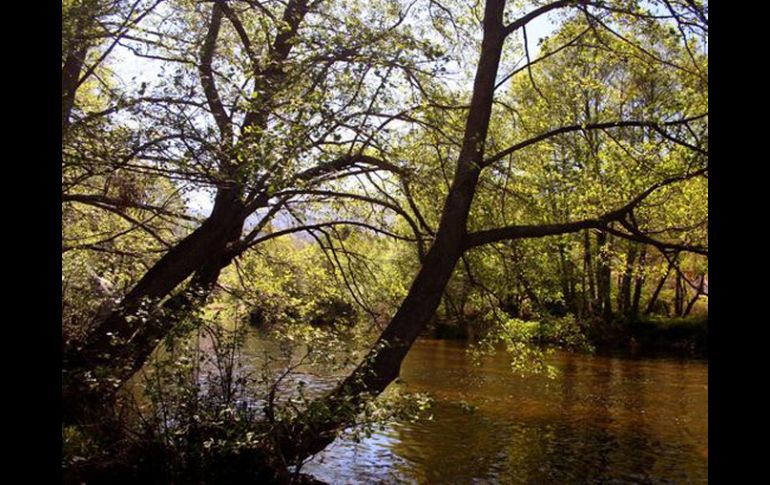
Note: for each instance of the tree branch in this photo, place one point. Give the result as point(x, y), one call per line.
point(311, 227)
point(522, 21)
point(101, 201)
point(345, 162)
point(585, 127)
point(602, 222)
point(207, 76)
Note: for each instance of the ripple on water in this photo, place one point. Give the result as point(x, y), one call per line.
point(602, 420)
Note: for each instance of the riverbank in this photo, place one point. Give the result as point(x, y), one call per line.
point(648, 336)
point(681, 337)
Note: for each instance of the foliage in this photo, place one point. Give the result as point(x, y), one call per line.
point(224, 395)
point(529, 343)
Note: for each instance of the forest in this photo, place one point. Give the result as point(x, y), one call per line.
point(267, 203)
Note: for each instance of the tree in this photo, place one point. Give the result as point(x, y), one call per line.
point(452, 238)
point(269, 148)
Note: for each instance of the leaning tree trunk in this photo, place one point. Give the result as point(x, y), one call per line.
point(698, 293)
point(659, 287)
point(383, 364)
point(120, 345)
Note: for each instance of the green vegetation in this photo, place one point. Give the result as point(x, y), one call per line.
point(331, 180)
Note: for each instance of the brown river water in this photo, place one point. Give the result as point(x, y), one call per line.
point(601, 420)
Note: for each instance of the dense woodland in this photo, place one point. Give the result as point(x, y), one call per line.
point(345, 177)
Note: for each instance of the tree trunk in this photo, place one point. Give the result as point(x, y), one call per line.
point(120, 344)
point(679, 295)
point(567, 284)
point(625, 283)
point(74, 60)
point(589, 271)
point(69, 78)
point(661, 283)
point(638, 284)
point(698, 293)
point(604, 277)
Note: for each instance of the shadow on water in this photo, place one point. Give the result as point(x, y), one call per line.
point(601, 420)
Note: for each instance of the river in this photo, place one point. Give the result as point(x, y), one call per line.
point(601, 420)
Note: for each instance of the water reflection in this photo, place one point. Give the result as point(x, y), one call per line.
point(602, 420)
